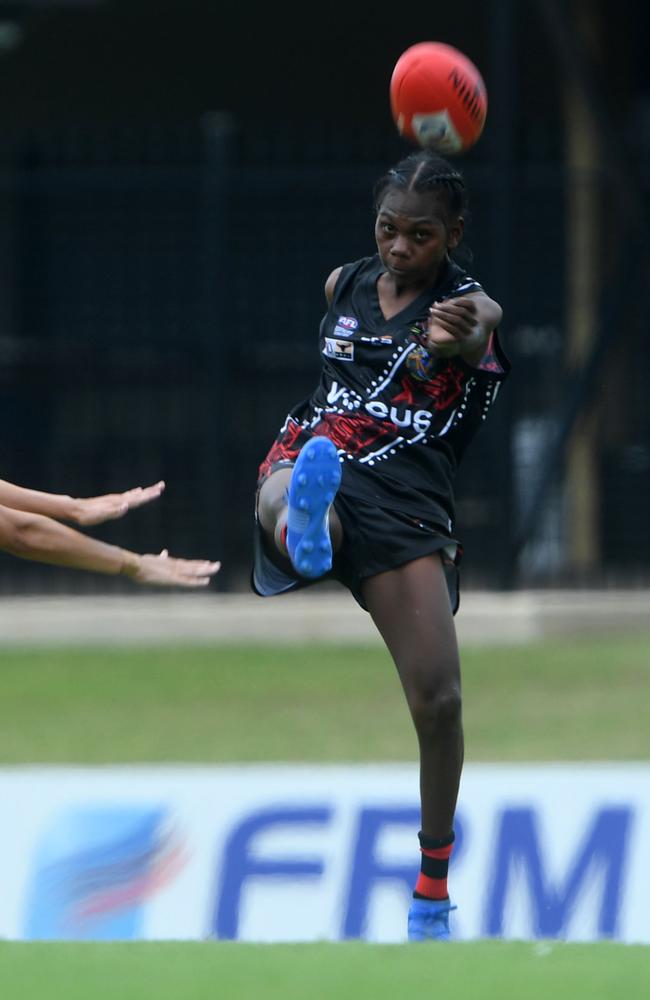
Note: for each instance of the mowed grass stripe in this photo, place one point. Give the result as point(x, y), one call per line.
point(578, 700)
point(489, 970)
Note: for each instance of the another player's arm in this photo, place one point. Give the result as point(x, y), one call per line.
point(84, 511)
point(462, 326)
point(42, 539)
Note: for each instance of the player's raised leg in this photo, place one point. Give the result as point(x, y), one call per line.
point(295, 508)
point(315, 480)
point(272, 507)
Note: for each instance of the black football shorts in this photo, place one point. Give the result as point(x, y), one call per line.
point(375, 539)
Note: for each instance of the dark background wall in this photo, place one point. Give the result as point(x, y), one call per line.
point(158, 60)
point(178, 180)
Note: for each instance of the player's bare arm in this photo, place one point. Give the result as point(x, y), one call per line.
point(462, 325)
point(330, 284)
point(42, 539)
point(84, 511)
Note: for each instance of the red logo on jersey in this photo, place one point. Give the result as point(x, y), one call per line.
point(444, 389)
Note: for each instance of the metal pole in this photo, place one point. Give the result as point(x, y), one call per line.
point(502, 127)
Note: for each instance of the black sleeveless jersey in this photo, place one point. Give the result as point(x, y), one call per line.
point(400, 419)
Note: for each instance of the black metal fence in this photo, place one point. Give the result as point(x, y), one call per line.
point(162, 294)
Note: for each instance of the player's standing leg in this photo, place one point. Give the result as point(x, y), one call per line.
point(411, 608)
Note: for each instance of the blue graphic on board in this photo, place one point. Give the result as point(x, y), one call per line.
point(94, 870)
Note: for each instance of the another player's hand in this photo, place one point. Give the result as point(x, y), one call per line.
point(96, 510)
point(165, 571)
point(454, 328)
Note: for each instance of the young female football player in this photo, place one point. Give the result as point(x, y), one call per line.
point(358, 485)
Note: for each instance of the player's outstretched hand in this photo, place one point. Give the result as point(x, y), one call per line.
point(165, 571)
point(454, 327)
point(96, 510)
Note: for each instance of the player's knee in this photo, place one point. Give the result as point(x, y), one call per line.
point(272, 500)
point(437, 708)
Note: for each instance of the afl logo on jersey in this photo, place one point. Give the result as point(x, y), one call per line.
point(340, 350)
point(345, 326)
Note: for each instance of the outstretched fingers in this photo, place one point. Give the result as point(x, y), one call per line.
point(141, 495)
point(166, 571)
point(96, 510)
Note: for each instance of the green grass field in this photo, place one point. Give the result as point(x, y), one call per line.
point(484, 970)
point(579, 700)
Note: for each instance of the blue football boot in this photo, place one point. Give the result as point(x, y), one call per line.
point(315, 479)
point(429, 920)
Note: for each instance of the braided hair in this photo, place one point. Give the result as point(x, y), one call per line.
point(422, 172)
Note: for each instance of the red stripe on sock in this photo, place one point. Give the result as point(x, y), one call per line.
point(439, 853)
point(432, 888)
point(283, 534)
